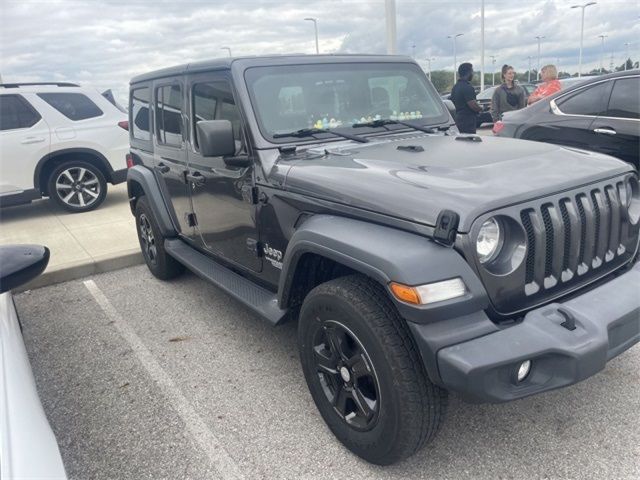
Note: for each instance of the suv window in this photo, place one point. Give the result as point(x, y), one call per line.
point(214, 101)
point(625, 99)
point(74, 106)
point(169, 115)
point(590, 101)
point(140, 100)
point(16, 112)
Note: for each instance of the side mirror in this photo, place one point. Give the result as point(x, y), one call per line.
point(451, 107)
point(21, 263)
point(215, 138)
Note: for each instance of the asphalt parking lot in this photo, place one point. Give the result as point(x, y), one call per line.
point(148, 379)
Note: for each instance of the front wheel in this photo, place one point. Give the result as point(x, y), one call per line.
point(77, 186)
point(364, 372)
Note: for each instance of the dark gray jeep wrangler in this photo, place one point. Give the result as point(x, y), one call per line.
point(334, 190)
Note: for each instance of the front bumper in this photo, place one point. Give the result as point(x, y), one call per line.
point(607, 322)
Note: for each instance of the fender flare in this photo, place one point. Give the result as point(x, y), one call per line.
point(144, 177)
point(385, 254)
point(88, 151)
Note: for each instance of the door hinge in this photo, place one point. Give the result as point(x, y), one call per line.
point(250, 194)
point(254, 246)
point(192, 221)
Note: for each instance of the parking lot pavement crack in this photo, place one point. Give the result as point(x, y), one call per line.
point(198, 429)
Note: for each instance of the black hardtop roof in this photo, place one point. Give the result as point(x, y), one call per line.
point(225, 63)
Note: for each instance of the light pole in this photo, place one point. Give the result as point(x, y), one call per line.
point(493, 69)
point(413, 51)
point(227, 49)
point(602, 37)
point(539, 37)
point(582, 34)
point(482, 46)
point(429, 65)
point(390, 16)
point(315, 27)
point(529, 72)
point(626, 44)
point(455, 60)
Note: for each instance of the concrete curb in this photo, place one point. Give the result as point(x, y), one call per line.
point(74, 270)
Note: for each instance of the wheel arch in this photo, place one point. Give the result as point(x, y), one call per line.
point(50, 161)
point(141, 181)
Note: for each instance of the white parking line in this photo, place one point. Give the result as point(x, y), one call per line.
point(202, 435)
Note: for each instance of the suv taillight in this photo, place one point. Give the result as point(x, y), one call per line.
point(124, 124)
point(497, 127)
point(130, 160)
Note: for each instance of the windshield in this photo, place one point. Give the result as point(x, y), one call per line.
point(290, 98)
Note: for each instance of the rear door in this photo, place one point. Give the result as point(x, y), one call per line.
point(24, 140)
point(170, 152)
point(618, 129)
point(222, 195)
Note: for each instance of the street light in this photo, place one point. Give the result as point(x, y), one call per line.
point(227, 49)
point(455, 60)
point(482, 46)
point(429, 65)
point(602, 37)
point(539, 37)
point(529, 72)
point(493, 69)
point(315, 26)
point(582, 33)
point(626, 44)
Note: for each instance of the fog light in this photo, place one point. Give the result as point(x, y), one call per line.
point(523, 371)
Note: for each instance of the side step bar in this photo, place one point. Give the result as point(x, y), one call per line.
point(260, 300)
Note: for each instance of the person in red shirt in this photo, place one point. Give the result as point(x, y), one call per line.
point(550, 84)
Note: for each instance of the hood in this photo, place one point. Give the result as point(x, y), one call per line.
point(442, 172)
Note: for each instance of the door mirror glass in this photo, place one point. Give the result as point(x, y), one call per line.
point(21, 263)
point(215, 138)
point(451, 107)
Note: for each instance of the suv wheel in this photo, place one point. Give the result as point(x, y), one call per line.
point(77, 186)
point(364, 372)
point(161, 264)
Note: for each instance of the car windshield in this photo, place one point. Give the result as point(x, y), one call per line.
point(290, 98)
point(486, 94)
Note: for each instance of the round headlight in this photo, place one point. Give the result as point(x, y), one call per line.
point(489, 240)
point(631, 199)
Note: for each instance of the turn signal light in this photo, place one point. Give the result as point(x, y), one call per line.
point(429, 292)
point(129, 158)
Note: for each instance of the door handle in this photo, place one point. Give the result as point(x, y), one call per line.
point(162, 168)
point(196, 178)
point(30, 140)
point(606, 131)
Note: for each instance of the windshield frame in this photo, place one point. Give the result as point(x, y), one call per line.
point(442, 119)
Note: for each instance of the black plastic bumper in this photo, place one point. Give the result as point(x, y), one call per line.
point(607, 322)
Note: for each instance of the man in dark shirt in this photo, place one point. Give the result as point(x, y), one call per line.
point(463, 97)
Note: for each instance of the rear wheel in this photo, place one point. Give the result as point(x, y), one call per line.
point(364, 372)
point(77, 186)
point(161, 264)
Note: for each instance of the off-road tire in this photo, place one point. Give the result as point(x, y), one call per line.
point(411, 408)
point(161, 264)
point(92, 186)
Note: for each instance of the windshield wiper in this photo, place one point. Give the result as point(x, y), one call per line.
point(308, 132)
point(387, 121)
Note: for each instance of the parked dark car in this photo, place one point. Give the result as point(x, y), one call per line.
point(484, 100)
point(414, 260)
point(601, 114)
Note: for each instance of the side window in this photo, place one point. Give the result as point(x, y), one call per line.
point(74, 106)
point(590, 101)
point(139, 107)
point(16, 112)
point(625, 99)
point(169, 115)
point(214, 101)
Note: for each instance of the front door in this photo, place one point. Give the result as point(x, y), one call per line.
point(170, 151)
point(221, 195)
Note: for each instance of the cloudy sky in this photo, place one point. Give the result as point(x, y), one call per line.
point(104, 43)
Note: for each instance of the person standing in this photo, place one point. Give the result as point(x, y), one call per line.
point(508, 96)
point(550, 84)
point(463, 97)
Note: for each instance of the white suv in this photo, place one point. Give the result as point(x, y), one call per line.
point(62, 141)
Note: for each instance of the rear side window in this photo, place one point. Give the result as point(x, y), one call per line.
point(625, 99)
point(140, 99)
point(590, 101)
point(74, 106)
point(16, 112)
point(169, 115)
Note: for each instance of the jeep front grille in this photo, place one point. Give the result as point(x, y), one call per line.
point(572, 239)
